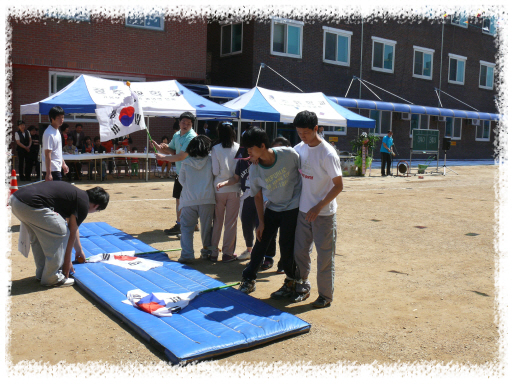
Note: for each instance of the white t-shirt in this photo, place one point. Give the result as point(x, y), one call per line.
point(318, 166)
point(52, 140)
point(223, 166)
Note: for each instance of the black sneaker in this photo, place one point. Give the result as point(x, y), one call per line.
point(287, 290)
point(247, 286)
point(297, 297)
point(321, 302)
point(174, 230)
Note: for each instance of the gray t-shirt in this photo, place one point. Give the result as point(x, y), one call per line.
point(281, 182)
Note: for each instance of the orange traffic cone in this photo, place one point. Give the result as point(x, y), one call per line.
point(14, 182)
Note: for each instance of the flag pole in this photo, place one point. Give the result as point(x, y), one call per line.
point(217, 288)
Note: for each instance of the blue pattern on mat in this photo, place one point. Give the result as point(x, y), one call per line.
point(212, 324)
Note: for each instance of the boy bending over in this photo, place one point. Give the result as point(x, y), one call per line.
point(276, 175)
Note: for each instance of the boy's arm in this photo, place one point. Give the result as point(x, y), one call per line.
point(258, 201)
point(48, 160)
point(67, 266)
point(231, 181)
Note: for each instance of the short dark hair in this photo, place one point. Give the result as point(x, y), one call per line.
point(165, 137)
point(96, 138)
point(255, 136)
point(188, 115)
point(19, 122)
point(281, 142)
point(226, 134)
point(63, 127)
point(78, 125)
point(98, 195)
point(305, 119)
point(87, 138)
point(54, 112)
point(69, 138)
point(32, 127)
point(199, 146)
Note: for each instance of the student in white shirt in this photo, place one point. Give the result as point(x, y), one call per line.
point(52, 147)
point(321, 183)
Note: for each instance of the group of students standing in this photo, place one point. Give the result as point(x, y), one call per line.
point(293, 190)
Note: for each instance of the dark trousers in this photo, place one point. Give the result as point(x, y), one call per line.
point(24, 165)
point(249, 218)
point(35, 163)
point(385, 162)
point(285, 222)
point(56, 175)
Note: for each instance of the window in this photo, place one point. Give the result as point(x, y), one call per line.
point(383, 55)
point(419, 122)
point(337, 46)
point(489, 26)
point(460, 19)
point(453, 127)
point(423, 61)
point(145, 21)
point(60, 80)
point(70, 14)
point(457, 69)
point(483, 131)
point(286, 38)
point(486, 75)
point(334, 131)
point(231, 39)
point(382, 121)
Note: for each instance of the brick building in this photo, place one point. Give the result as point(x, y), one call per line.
point(408, 59)
point(49, 54)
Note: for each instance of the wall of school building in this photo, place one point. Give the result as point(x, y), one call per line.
point(311, 73)
point(48, 54)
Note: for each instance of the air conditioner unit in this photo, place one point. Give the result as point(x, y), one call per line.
point(475, 121)
point(441, 118)
point(406, 116)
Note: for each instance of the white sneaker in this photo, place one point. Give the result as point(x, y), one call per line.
point(245, 255)
point(64, 283)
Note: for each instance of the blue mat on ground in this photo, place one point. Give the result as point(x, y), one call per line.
point(212, 324)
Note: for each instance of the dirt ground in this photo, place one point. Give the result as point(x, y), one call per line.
point(411, 284)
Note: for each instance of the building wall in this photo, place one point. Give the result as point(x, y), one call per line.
point(103, 47)
point(311, 74)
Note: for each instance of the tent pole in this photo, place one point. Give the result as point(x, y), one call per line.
point(147, 149)
point(40, 154)
point(238, 134)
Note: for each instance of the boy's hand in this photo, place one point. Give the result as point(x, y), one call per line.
point(67, 268)
point(313, 213)
point(221, 184)
point(159, 156)
point(259, 231)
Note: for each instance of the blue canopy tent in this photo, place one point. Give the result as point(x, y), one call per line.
point(158, 99)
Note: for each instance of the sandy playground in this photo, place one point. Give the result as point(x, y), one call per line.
point(412, 283)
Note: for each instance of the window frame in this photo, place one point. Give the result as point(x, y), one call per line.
point(458, 58)
point(338, 33)
point(491, 21)
point(385, 42)
point(453, 127)
point(161, 28)
point(423, 50)
point(231, 42)
point(460, 23)
point(482, 125)
point(486, 64)
point(379, 121)
point(419, 127)
point(81, 119)
point(287, 22)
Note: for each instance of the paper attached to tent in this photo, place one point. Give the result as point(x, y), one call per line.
point(159, 98)
point(262, 104)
